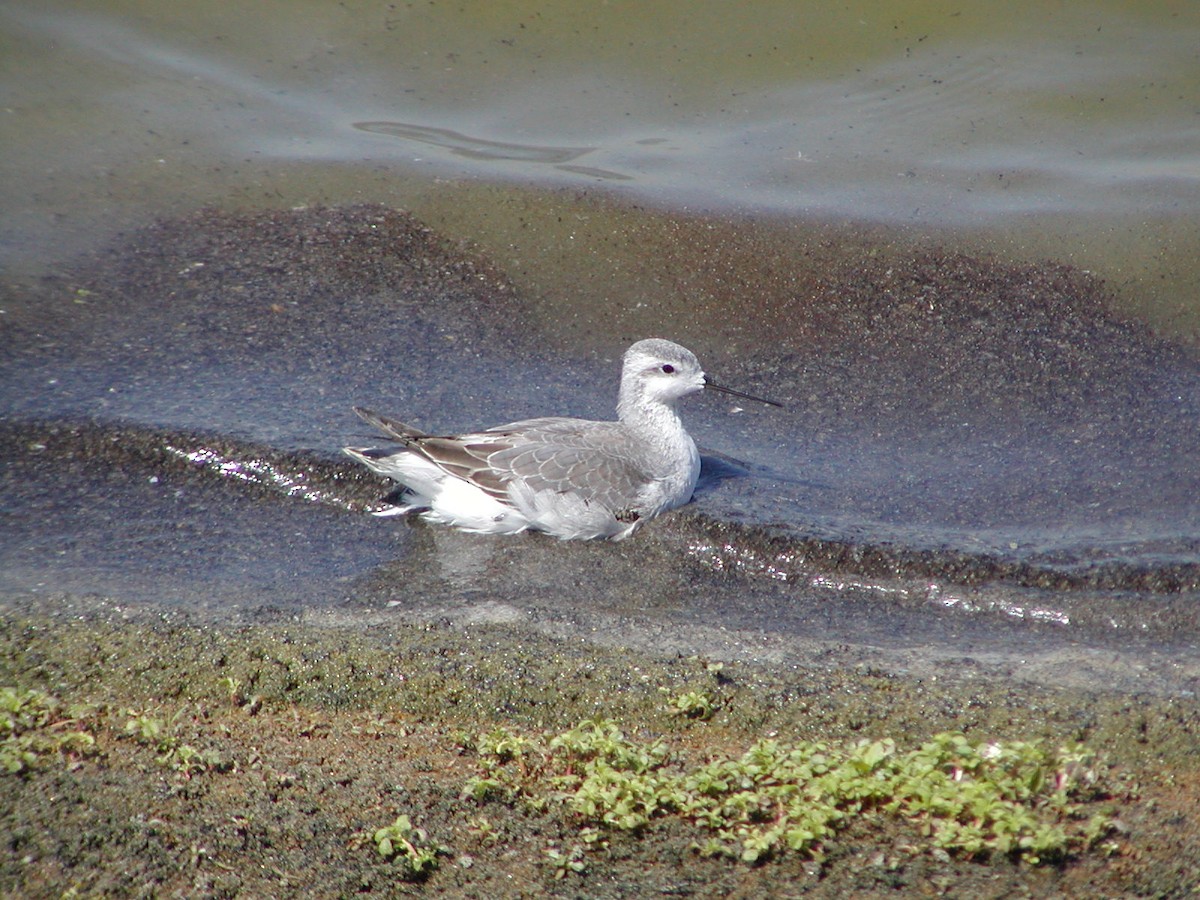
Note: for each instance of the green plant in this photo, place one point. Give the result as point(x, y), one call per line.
point(233, 687)
point(480, 787)
point(146, 730)
point(1009, 799)
point(403, 842)
point(571, 862)
point(186, 760)
point(503, 745)
point(483, 829)
point(34, 725)
point(692, 704)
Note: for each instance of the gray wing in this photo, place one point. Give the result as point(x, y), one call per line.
point(594, 460)
point(461, 457)
point(467, 458)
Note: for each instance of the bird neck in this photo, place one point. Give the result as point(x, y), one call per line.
point(656, 423)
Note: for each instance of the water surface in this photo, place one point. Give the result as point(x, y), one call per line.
point(1066, 131)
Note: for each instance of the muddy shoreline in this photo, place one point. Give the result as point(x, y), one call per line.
point(316, 735)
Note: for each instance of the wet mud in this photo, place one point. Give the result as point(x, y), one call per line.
point(309, 738)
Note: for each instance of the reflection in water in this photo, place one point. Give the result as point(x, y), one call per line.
point(592, 172)
point(1062, 132)
point(491, 151)
point(473, 148)
point(291, 481)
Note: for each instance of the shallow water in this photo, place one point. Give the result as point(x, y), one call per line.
point(851, 214)
point(1066, 131)
point(820, 531)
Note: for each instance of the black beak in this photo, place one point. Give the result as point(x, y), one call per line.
point(713, 386)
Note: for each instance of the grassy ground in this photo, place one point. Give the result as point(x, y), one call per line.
point(182, 759)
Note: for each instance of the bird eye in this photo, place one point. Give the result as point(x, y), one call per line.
point(668, 368)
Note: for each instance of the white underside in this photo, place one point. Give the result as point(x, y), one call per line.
point(452, 501)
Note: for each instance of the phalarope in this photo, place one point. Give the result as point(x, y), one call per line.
point(571, 478)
